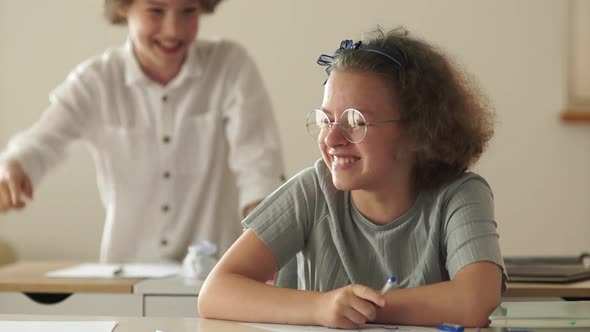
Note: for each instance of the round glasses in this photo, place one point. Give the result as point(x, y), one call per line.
point(352, 124)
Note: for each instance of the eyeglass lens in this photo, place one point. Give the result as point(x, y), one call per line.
point(352, 125)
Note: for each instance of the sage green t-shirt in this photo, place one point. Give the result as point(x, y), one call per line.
point(445, 230)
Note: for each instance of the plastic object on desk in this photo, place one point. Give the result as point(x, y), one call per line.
point(450, 327)
point(200, 260)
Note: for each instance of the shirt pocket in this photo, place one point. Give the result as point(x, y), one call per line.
point(200, 144)
point(129, 155)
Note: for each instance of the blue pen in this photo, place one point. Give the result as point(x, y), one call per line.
point(450, 327)
point(389, 284)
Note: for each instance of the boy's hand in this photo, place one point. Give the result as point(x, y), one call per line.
point(348, 307)
point(249, 208)
point(14, 183)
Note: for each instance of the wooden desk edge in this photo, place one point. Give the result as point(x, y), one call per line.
point(29, 277)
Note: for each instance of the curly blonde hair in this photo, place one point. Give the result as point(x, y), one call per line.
point(448, 120)
point(111, 9)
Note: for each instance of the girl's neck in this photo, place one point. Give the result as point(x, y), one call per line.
point(384, 206)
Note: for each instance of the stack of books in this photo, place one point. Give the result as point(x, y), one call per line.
point(557, 269)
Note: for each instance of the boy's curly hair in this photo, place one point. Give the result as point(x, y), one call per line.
point(448, 120)
point(111, 9)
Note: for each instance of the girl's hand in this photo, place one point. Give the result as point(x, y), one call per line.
point(348, 307)
point(14, 183)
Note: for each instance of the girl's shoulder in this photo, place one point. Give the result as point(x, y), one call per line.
point(467, 186)
point(314, 180)
point(467, 180)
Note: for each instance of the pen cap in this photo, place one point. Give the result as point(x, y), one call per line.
point(389, 284)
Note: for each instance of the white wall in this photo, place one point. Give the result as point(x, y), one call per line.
point(538, 167)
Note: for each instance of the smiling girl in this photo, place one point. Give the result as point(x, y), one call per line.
point(398, 129)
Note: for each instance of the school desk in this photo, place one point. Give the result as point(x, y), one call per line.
point(24, 288)
point(171, 297)
point(167, 324)
point(177, 297)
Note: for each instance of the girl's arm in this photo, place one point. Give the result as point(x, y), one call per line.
point(468, 299)
point(473, 262)
point(236, 289)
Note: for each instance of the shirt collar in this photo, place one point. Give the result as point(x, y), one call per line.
point(191, 67)
point(133, 72)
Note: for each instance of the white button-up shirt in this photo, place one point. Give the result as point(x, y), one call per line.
point(176, 164)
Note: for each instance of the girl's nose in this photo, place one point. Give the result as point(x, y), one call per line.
point(334, 136)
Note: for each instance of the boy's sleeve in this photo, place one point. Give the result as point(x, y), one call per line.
point(252, 133)
point(47, 142)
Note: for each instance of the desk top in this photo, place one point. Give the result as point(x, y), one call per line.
point(30, 277)
point(151, 324)
point(148, 324)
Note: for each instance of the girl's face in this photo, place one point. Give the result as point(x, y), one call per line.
point(162, 31)
point(376, 162)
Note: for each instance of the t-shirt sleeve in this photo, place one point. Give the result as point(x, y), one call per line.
point(470, 230)
point(284, 218)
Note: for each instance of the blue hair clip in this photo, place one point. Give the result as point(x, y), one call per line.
point(327, 60)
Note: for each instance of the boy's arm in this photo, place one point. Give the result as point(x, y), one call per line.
point(14, 185)
point(249, 208)
point(251, 131)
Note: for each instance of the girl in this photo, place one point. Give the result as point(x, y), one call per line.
point(398, 128)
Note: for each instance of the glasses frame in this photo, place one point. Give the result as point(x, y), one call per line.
point(344, 133)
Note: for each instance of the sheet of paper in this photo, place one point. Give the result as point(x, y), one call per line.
point(131, 270)
point(58, 326)
point(368, 327)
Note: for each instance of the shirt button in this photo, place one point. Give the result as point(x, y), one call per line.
point(166, 139)
point(165, 208)
point(166, 175)
point(164, 98)
point(163, 242)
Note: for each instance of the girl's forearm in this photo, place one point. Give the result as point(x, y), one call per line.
point(235, 297)
point(438, 303)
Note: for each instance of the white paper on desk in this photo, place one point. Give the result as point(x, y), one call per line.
point(58, 326)
point(367, 327)
point(131, 270)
